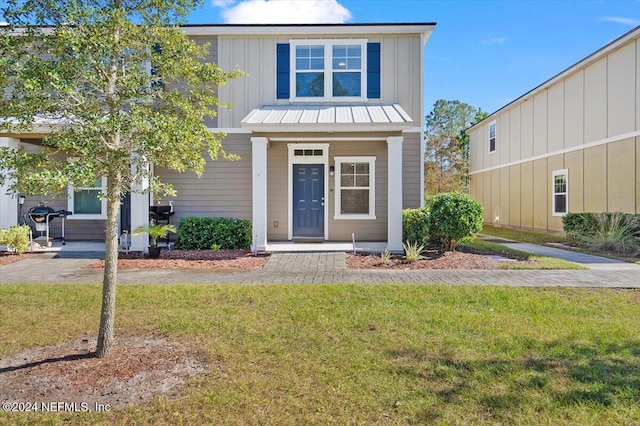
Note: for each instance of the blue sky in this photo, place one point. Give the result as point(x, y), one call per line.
point(484, 53)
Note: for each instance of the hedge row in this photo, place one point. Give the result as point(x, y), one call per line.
point(449, 219)
point(585, 225)
point(203, 233)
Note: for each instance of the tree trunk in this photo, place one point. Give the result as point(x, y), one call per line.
point(110, 280)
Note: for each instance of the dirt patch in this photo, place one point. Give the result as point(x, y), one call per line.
point(432, 259)
point(190, 259)
point(7, 258)
point(138, 369)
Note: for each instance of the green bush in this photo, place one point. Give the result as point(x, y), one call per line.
point(415, 226)
point(201, 233)
point(615, 233)
point(15, 238)
point(579, 225)
point(454, 218)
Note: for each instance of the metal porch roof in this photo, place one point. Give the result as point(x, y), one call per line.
point(327, 117)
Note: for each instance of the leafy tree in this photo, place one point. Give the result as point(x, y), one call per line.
point(447, 146)
point(123, 85)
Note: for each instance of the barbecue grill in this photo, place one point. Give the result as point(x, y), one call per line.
point(41, 217)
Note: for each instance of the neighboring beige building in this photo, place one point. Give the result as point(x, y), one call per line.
point(571, 144)
point(328, 124)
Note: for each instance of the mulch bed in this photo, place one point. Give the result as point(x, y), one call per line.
point(7, 258)
point(190, 259)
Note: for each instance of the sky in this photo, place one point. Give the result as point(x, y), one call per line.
point(484, 53)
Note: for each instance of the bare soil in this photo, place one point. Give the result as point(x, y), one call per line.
point(138, 369)
point(190, 259)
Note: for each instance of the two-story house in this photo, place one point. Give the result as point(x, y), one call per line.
point(571, 144)
point(328, 126)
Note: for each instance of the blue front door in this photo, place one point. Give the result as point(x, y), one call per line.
point(308, 200)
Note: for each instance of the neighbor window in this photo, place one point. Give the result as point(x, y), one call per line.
point(560, 184)
point(492, 136)
point(328, 69)
point(86, 202)
point(355, 187)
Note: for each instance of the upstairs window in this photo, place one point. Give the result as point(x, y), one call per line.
point(328, 70)
point(492, 136)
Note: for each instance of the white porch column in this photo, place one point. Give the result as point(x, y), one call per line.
point(8, 202)
point(394, 176)
point(259, 191)
point(139, 211)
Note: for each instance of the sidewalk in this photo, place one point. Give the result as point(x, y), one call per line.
point(288, 268)
point(587, 260)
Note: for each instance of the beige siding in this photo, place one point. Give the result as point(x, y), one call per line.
point(556, 118)
point(637, 175)
point(595, 179)
point(487, 197)
point(514, 134)
point(573, 161)
point(400, 56)
point(224, 189)
point(526, 197)
point(212, 57)
point(504, 148)
point(621, 187)
point(411, 170)
point(526, 150)
point(540, 191)
point(504, 197)
point(574, 110)
point(515, 195)
point(540, 124)
point(621, 90)
point(595, 101)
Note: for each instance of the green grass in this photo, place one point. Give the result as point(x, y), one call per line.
point(537, 262)
point(361, 354)
point(523, 236)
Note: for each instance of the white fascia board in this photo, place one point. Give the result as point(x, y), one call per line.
point(298, 30)
point(325, 128)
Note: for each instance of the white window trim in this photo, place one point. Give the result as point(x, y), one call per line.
point(103, 204)
point(555, 173)
point(372, 188)
point(328, 69)
point(308, 159)
point(495, 137)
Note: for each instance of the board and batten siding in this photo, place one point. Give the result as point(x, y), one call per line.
point(587, 122)
point(412, 165)
point(212, 58)
point(256, 55)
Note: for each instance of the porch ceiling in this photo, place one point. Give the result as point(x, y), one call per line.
point(327, 118)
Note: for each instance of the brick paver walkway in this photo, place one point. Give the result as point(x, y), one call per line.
point(299, 268)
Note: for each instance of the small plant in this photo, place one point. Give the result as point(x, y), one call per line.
point(614, 233)
point(15, 238)
point(415, 225)
point(385, 257)
point(215, 247)
point(412, 252)
point(154, 231)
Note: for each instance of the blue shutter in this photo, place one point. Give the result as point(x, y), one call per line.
point(282, 71)
point(154, 69)
point(373, 70)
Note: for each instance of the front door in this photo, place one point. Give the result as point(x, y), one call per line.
point(308, 200)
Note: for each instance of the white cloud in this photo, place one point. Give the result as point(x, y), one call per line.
point(495, 40)
point(283, 11)
point(626, 21)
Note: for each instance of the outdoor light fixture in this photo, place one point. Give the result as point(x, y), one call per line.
point(21, 199)
point(332, 170)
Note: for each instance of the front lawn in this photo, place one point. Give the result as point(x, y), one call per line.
point(360, 354)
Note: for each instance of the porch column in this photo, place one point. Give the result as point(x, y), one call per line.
point(139, 210)
point(394, 176)
point(8, 202)
point(259, 191)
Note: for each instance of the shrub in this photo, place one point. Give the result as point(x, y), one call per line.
point(454, 218)
point(415, 226)
point(15, 238)
point(578, 226)
point(201, 233)
point(412, 251)
point(385, 256)
point(616, 233)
